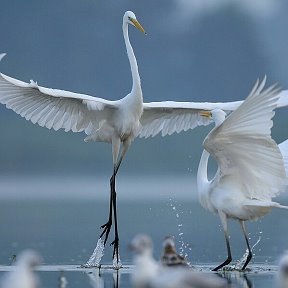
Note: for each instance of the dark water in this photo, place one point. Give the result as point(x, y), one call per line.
point(65, 232)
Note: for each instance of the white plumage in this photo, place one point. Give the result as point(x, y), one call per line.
point(149, 273)
point(250, 165)
point(58, 109)
point(23, 276)
point(284, 151)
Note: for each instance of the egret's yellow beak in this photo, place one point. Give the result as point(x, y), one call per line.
point(205, 113)
point(137, 25)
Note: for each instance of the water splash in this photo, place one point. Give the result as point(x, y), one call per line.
point(183, 246)
point(242, 260)
point(117, 264)
point(94, 260)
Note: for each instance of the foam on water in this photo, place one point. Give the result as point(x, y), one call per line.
point(117, 264)
point(94, 260)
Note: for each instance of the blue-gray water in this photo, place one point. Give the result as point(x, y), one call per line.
point(65, 230)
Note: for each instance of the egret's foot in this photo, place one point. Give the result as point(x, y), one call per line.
point(249, 257)
point(115, 244)
point(106, 230)
point(226, 262)
point(116, 256)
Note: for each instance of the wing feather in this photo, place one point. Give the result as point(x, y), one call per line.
point(243, 147)
point(168, 117)
point(284, 151)
point(52, 108)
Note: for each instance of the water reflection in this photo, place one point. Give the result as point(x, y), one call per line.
point(62, 281)
point(239, 278)
point(97, 280)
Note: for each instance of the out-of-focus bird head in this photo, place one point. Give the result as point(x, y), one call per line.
point(141, 245)
point(29, 259)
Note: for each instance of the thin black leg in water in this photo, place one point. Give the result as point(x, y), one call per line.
point(229, 258)
point(107, 226)
point(249, 257)
point(115, 243)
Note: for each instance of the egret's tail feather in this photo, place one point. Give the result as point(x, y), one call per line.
point(262, 203)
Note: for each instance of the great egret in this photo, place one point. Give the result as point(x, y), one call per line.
point(169, 256)
point(23, 276)
point(250, 165)
point(149, 273)
point(115, 122)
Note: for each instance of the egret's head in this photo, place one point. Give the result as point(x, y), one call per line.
point(217, 115)
point(130, 18)
point(28, 259)
point(142, 244)
point(169, 244)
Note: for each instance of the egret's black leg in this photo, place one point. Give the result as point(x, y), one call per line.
point(224, 224)
point(107, 226)
point(115, 243)
point(229, 258)
point(249, 257)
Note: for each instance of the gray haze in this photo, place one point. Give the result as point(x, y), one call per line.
point(194, 51)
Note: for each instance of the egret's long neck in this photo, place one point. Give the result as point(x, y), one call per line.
point(132, 59)
point(202, 178)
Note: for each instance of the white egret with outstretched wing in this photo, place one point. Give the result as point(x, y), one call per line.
point(115, 122)
point(250, 165)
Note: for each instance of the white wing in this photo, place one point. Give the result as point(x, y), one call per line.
point(169, 117)
point(243, 147)
point(284, 151)
point(53, 108)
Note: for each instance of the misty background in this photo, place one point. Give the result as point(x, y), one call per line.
point(195, 50)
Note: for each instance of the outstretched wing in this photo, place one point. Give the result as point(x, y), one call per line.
point(52, 108)
point(284, 151)
point(243, 147)
point(168, 117)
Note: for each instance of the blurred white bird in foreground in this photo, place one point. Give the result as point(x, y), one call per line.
point(149, 273)
point(169, 256)
point(282, 276)
point(23, 276)
point(250, 165)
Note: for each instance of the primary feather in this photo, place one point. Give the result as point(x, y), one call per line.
point(243, 147)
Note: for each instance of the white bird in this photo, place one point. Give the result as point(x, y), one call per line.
point(23, 276)
point(149, 273)
point(250, 165)
point(169, 256)
point(116, 122)
point(282, 275)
